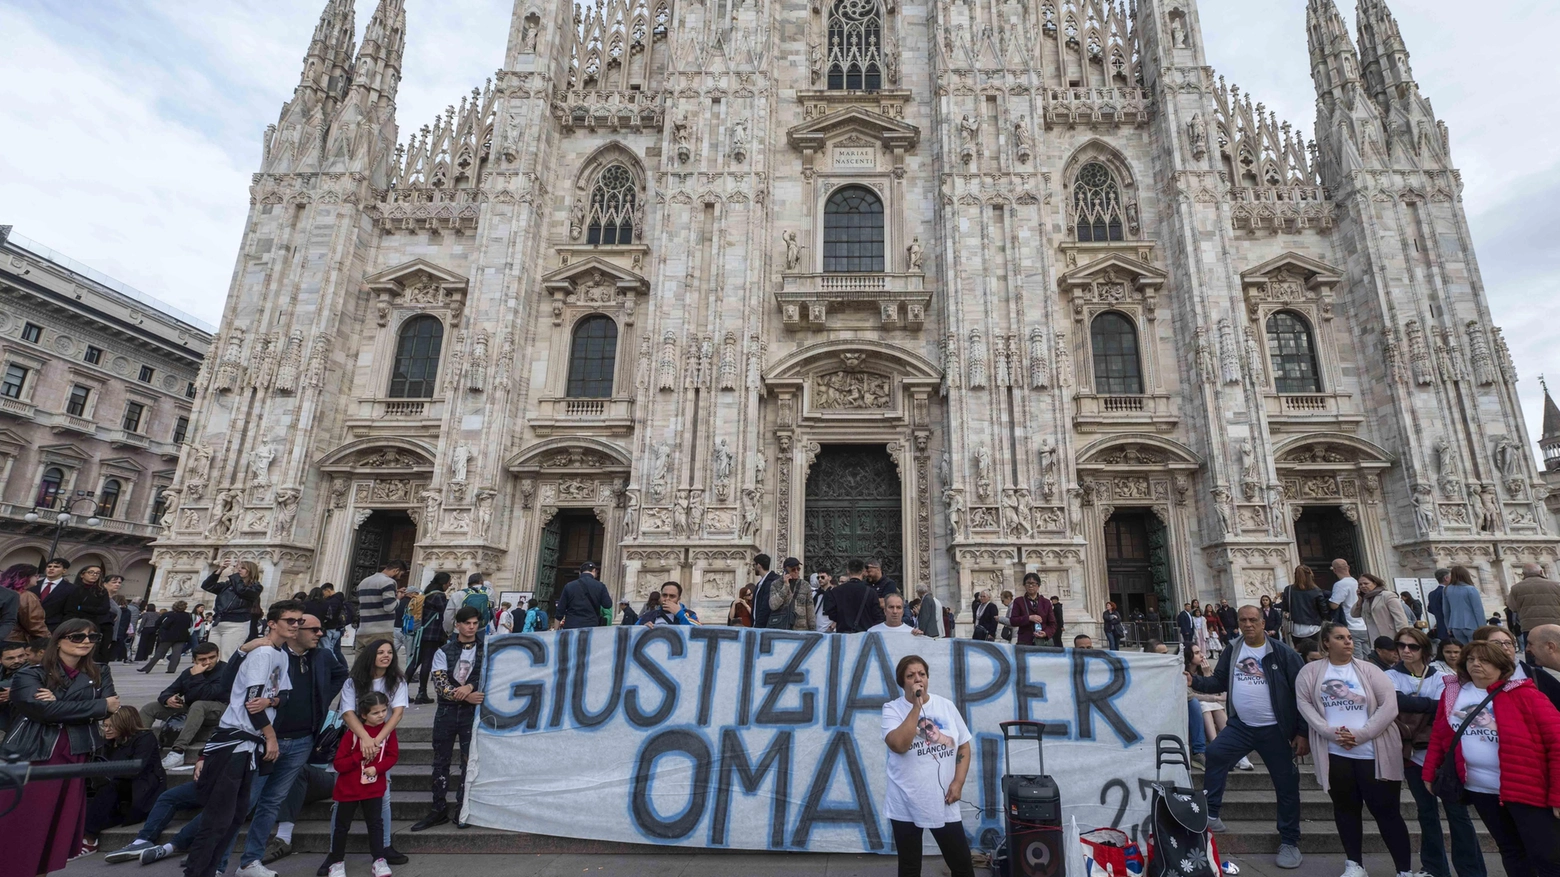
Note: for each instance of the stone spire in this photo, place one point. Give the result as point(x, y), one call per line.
point(1335, 66)
point(1549, 440)
point(378, 70)
point(328, 63)
point(1415, 138)
point(1383, 54)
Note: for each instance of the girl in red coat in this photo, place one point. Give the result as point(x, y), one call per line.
point(360, 782)
point(1508, 759)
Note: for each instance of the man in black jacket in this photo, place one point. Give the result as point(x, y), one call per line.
point(761, 567)
point(856, 603)
point(199, 694)
point(884, 585)
point(13, 657)
point(55, 592)
point(583, 599)
point(1258, 673)
point(457, 676)
point(1184, 625)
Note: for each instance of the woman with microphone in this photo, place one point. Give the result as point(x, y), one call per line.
point(928, 758)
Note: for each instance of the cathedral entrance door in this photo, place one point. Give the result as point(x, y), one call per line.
point(1323, 535)
point(569, 539)
point(385, 536)
point(1128, 573)
point(853, 510)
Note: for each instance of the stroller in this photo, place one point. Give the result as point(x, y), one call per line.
point(1179, 842)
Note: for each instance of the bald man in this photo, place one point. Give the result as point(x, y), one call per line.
point(1543, 660)
point(1535, 599)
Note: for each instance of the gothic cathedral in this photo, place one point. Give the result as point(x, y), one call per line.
point(974, 287)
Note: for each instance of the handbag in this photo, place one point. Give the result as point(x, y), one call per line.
point(328, 740)
point(1447, 785)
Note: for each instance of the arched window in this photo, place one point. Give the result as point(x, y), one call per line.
point(108, 503)
point(49, 487)
point(592, 358)
point(417, 358)
point(1293, 354)
point(1117, 371)
point(611, 219)
point(855, 45)
point(1097, 204)
point(853, 231)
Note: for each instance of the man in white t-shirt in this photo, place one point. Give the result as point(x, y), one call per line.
point(1345, 593)
point(244, 737)
point(928, 759)
point(894, 618)
point(1258, 673)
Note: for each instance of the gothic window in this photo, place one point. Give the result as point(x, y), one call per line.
point(592, 358)
point(853, 231)
point(49, 487)
point(1097, 204)
point(855, 45)
point(417, 358)
point(108, 503)
point(611, 219)
point(1116, 368)
point(1293, 354)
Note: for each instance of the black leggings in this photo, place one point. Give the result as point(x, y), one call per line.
point(1528, 836)
point(950, 839)
point(345, 812)
point(423, 666)
point(1353, 787)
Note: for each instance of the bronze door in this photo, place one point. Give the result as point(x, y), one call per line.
point(1323, 535)
point(853, 510)
point(578, 537)
point(385, 536)
point(1128, 568)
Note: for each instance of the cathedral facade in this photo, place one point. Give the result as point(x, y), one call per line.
point(975, 287)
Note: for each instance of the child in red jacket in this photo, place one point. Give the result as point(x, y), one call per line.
point(360, 782)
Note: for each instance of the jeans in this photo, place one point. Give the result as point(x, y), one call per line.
point(1353, 786)
point(332, 641)
point(1466, 855)
point(955, 848)
point(181, 797)
point(1113, 640)
point(270, 792)
point(1238, 740)
point(1528, 836)
point(451, 721)
point(1196, 733)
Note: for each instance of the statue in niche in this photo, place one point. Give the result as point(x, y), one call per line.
point(460, 460)
point(793, 250)
point(723, 461)
point(260, 464)
point(1198, 132)
point(1177, 30)
point(914, 254)
point(968, 130)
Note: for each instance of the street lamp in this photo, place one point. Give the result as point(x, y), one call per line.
point(63, 520)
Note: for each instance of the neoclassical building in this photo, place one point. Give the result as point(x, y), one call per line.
point(978, 288)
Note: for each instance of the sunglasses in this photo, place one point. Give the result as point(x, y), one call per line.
point(79, 638)
point(1413, 647)
point(309, 630)
point(294, 622)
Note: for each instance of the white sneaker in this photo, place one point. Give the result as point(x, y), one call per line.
point(173, 761)
point(1245, 764)
point(255, 869)
point(1353, 869)
point(338, 870)
point(381, 868)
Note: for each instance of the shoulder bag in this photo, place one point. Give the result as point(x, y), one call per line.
point(1447, 785)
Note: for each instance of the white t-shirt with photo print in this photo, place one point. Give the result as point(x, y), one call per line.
point(918, 779)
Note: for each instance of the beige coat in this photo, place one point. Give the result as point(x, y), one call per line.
point(1383, 614)
point(1380, 729)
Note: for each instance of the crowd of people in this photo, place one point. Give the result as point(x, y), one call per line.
point(1375, 688)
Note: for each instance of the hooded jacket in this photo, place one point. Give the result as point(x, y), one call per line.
point(1529, 729)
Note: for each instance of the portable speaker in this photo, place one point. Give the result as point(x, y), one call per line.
point(1033, 807)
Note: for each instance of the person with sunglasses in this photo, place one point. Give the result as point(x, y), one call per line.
point(57, 711)
point(1419, 685)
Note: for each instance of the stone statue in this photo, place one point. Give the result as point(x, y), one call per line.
point(1021, 136)
point(914, 254)
point(1424, 510)
point(1048, 468)
point(723, 461)
point(631, 516)
point(484, 511)
point(286, 512)
point(793, 250)
point(224, 515)
point(695, 513)
point(1489, 505)
point(1507, 463)
point(983, 471)
point(945, 469)
point(170, 510)
point(750, 513)
point(680, 515)
point(660, 453)
point(1198, 132)
point(432, 502)
point(1221, 507)
point(460, 459)
point(260, 464)
point(1248, 461)
point(528, 37)
point(955, 505)
point(968, 130)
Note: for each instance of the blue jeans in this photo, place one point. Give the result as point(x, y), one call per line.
point(181, 797)
point(289, 762)
point(1466, 855)
point(1196, 733)
point(1238, 740)
point(270, 792)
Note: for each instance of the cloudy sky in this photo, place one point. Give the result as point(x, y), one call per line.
point(132, 127)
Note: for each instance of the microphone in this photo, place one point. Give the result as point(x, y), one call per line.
point(919, 694)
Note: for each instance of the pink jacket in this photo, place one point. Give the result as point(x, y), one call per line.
point(1380, 728)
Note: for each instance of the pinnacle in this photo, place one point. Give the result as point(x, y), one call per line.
point(1551, 415)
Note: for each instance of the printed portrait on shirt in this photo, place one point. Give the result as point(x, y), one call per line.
point(1483, 724)
point(1342, 693)
point(1249, 667)
point(931, 739)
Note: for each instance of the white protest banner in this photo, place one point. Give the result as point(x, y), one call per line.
point(771, 739)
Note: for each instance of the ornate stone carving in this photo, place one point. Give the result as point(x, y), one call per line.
point(1039, 368)
point(951, 368)
point(660, 457)
point(388, 458)
point(983, 471)
point(1064, 375)
point(668, 366)
point(1207, 371)
point(260, 465)
point(476, 371)
point(224, 515)
point(724, 463)
point(460, 462)
point(1479, 353)
point(286, 513)
point(287, 371)
point(1446, 469)
point(231, 364)
point(852, 390)
point(1508, 369)
point(1418, 353)
point(527, 493)
point(1424, 509)
point(728, 362)
point(755, 362)
point(1229, 352)
point(977, 360)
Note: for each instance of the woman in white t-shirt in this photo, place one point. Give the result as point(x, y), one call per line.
point(928, 758)
point(375, 669)
point(1352, 709)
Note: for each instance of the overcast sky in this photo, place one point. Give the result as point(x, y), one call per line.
point(131, 128)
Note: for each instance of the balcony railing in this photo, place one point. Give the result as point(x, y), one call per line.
point(1306, 411)
point(127, 439)
point(408, 410)
point(71, 422)
point(1104, 412)
point(611, 416)
point(1086, 106)
point(405, 409)
point(806, 300)
point(16, 407)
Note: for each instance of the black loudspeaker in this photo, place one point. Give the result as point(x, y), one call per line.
point(1033, 807)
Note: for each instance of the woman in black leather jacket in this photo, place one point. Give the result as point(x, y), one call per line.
point(57, 709)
